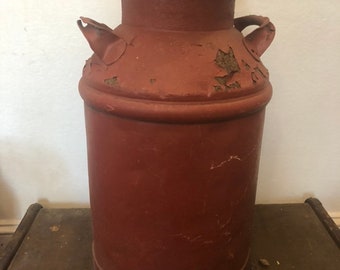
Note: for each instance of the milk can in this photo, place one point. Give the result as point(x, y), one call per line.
point(175, 100)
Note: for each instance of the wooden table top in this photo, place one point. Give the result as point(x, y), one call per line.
point(285, 236)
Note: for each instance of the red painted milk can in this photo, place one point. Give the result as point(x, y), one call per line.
point(175, 99)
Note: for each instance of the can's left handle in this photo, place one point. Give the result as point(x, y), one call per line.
point(105, 44)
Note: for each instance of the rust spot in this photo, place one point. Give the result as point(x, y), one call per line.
point(260, 72)
point(152, 81)
point(236, 84)
point(227, 61)
point(246, 65)
point(254, 77)
point(217, 88)
point(222, 80)
point(111, 81)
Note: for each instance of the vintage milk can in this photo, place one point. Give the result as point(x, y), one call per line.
point(175, 99)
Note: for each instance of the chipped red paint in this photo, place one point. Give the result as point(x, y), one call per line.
point(174, 106)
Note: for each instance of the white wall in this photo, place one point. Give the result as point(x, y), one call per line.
point(42, 137)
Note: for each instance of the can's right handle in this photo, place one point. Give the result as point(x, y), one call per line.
point(260, 39)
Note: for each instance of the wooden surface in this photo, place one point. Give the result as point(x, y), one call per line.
point(58, 239)
point(7, 253)
point(286, 236)
point(291, 236)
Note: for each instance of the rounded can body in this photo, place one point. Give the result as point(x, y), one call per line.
point(172, 196)
point(174, 109)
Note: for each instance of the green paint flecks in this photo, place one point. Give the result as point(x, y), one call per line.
point(227, 61)
point(111, 81)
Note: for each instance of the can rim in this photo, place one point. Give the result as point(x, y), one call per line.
point(175, 111)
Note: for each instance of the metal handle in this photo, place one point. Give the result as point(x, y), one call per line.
point(260, 39)
point(105, 44)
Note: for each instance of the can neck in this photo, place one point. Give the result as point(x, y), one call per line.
point(179, 15)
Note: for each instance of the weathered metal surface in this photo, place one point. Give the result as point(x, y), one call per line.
point(174, 106)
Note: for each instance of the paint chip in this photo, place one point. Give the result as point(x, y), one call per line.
point(111, 81)
point(227, 61)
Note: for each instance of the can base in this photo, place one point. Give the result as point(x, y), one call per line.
point(95, 262)
point(246, 266)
